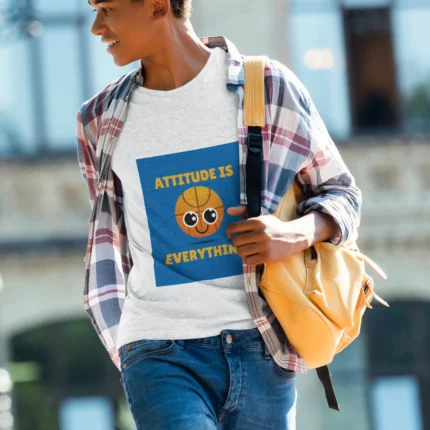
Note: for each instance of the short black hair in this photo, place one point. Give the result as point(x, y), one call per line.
point(181, 8)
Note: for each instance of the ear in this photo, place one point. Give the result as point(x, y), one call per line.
point(160, 8)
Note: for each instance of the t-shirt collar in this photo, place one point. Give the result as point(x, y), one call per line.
point(235, 62)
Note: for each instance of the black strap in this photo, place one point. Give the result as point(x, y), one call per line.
point(253, 171)
point(325, 377)
point(254, 165)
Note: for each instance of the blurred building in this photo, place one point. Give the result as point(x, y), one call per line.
point(366, 64)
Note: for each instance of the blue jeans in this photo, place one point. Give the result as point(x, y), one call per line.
point(227, 382)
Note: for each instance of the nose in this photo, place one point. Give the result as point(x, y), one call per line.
point(98, 27)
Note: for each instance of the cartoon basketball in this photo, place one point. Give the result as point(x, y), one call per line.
point(199, 212)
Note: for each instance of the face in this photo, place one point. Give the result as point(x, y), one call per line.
point(199, 212)
point(131, 29)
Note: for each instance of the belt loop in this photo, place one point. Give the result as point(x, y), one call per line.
point(180, 343)
point(267, 354)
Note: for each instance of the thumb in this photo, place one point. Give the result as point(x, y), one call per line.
point(237, 210)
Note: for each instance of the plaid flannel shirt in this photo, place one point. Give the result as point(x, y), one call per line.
point(296, 145)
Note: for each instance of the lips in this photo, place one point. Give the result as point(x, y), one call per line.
point(112, 45)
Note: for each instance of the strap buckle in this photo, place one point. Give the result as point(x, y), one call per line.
point(255, 142)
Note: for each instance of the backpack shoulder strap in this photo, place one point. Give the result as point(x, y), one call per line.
point(254, 105)
point(254, 119)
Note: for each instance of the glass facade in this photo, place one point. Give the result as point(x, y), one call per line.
point(328, 86)
point(17, 116)
point(50, 65)
point(411, 37)
point(382, 380)
point(45, 77)
point(341, 50)
point(61, 97)
point(349, 370)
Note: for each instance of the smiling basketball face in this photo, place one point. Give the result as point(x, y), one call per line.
point(199, 212)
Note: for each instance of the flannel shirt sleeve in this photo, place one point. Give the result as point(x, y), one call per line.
point(326, 181)
point(86, 156)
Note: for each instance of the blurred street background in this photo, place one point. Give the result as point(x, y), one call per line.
point(366, 64)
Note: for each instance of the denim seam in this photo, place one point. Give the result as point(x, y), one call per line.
point(230, 389)
point(129, 400)
point(240, 384)
point(206, 345)
point(139, 343)
point(223, 409)
point(143, 356)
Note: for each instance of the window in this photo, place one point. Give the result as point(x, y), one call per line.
point(50, 65)
point(373, 86)
point(62, 83)
point(95, 412)
point(365, 63)
point(396, 403)
point(411, 36)
point(398, 357)
point(318, 60)
point(17, 116)
point(349, 370)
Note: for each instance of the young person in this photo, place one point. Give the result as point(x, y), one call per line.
point(173, 265)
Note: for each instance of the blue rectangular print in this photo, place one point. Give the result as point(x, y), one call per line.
point(186, 198)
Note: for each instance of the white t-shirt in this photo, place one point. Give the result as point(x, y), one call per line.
point(178, 162)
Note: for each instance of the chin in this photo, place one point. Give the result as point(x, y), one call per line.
point(121, 61)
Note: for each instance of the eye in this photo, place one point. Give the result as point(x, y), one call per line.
point(104, 9)
point(191, 219)
point(210, 215)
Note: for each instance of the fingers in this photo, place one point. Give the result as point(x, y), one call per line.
point(242, 226)
point(238, 210)
point(245, 239)
point(253, 260)
point(248, 250)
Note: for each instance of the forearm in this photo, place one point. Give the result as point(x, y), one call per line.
point(267, 239)
point(315, 227)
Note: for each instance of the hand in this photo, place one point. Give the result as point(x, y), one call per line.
point(264, 239)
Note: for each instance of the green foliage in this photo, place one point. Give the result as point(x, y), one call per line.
point(57, 361)
point(37, 400)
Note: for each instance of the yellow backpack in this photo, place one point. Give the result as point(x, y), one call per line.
point(319, 296)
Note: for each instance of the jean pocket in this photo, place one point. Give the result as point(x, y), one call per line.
point(138, 351)
point(286, 373)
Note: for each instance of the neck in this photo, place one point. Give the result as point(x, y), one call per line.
point(180, 59)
